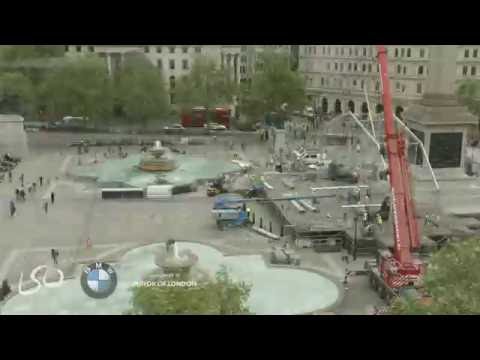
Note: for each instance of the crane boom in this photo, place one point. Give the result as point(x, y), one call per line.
point(406, 235)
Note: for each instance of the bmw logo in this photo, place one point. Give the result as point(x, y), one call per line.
point(99, 280)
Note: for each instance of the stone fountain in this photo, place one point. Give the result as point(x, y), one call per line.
point(174, 263)
point(157, 159)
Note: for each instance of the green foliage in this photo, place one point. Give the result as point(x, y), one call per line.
point(16, 93)
point(11, 53)
point(273, 85)
point(219, 297)
point(140, 90)
point(205, 86)
point(81, 87)
point(452, 281)
point(469, 95)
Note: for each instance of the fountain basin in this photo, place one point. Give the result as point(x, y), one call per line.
point(281, 291)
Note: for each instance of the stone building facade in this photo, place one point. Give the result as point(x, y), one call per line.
point(335, 75)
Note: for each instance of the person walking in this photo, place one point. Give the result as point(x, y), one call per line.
point(45, 207)
point(13, 209)
point(9, 175)
point(5, 290)
point(40, 180)
point(22, 194)
point(34, 187)
point(21, 179)
point(52, 197)
point(17, 194)
point(54, 253)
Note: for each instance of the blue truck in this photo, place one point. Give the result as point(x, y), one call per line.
point(230, 210)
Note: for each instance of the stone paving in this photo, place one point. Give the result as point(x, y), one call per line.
point(113, 226)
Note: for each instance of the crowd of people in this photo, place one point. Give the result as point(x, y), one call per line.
point(31, 188)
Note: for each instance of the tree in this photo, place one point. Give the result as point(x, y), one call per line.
point(469, 95)
point(273, 85)
point(78, 87)
point(140, 90)
point(205, 86)
point(16, 94)
point(452, 281)
point(221, 296)
point(11, 53)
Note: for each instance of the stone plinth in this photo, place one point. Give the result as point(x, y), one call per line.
point(13, 138)
point(439, 121)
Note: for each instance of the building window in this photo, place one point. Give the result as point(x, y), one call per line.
point(465, 70)
point(369, 68)
point(91, 48)
point(349, 66)
point(185, 49)
point(475, 53)
point(355, 67)
point(336, 66)
point(328, 66)
point(467, 53)
point(66, 48)
point(419, 88)
point(377, 86)
point(172, 82)
point(349, 51)
point(341, 51)
point(146, 49)
point(362, 84)
point(323, 50)
point(172, 98)
point(364, 67)
point(404, 70)
point(185, 64)
point(399, 69)
point(397, 85)
point(354, 82)
point(159, 63)
point(403, 88)
point(402, 52)
point(159, 49)
point(171, 49)
point(78, 48)
point(198, 49)
point(364, 51)
point(341, 67)
point(422, 53)
point(322, 81)
point(409, 52)
point(171, 64)
point(396, 52)
point(420, 70)
point(473, 71)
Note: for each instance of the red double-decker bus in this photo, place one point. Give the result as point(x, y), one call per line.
point(197, 117)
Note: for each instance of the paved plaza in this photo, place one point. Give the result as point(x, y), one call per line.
point(114, 226)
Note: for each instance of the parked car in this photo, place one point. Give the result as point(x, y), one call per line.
point(174, 128)
point(215, 127)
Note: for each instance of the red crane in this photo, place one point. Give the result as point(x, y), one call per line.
point(402, 268)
